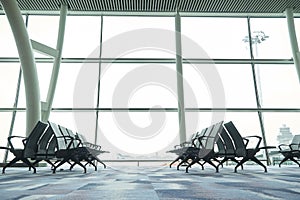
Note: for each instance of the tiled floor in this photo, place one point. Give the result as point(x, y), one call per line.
point(156, 182)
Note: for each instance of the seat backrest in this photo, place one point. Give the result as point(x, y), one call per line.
point(202, 139)
point(195, 140)
point(67, 135)
point(52, 146)
point(221, 144)
point(295, 145)
point(44, 141)
point(213, 136)
point(31, 145)
point(240, 148)
point(228, 143)
point(60, 139)
point(77, 140)
point(208, 149)
point(192, 137)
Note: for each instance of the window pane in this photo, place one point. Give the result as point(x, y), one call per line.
point(18, 130)
point(9, 74)
point(132, 135)
point(209, 83)
point(81, 122)
point(76, 85)
point(44, 71)
point(297, 27)
point(196, 121)
point(277, 45)
point(43, 29)
point(138, 85)
point(82, 36)
point(5, 118)
point(274, 121)
point(8, 46)
point(280, 129)
point(280, 86)
point(238, 84)
point(196, 90)
point(247, 123)
point(215, 36)
point(138, 37)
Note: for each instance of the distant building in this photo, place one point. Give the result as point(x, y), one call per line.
point(285, 136)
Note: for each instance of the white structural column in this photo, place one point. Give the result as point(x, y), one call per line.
point(180, 91)
point(32, 90)
point(293, 39)
point(47, 106)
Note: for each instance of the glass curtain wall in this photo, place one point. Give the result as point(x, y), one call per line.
point(117, 82)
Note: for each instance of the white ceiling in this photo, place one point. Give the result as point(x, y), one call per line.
point(200, 7)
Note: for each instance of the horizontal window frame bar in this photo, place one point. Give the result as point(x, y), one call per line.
point(154, 60)
point(161, 109)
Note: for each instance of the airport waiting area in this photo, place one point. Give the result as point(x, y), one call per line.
point(149, 99)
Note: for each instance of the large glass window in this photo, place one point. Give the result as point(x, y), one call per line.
point(136, 116)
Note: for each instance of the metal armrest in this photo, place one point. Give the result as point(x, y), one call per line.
point(294, 144)
point(6, 148)
point(268, 147)
point(255, 136)
point(12, 137)
point(283, 145)
point(94, 146)
point(246, 141)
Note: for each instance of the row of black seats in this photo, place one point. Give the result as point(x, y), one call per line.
point(56, 145)
point(290, 151)
point(220, 143)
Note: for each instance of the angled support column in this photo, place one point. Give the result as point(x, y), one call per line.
point(32, 91)
point(180, 91)
point(293, 39)
point(46, 106)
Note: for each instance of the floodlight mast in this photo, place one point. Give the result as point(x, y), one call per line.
point(257, 37)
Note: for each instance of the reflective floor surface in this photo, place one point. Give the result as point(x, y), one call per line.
point(152, 182)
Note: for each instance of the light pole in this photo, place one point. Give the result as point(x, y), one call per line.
point(257, 37)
